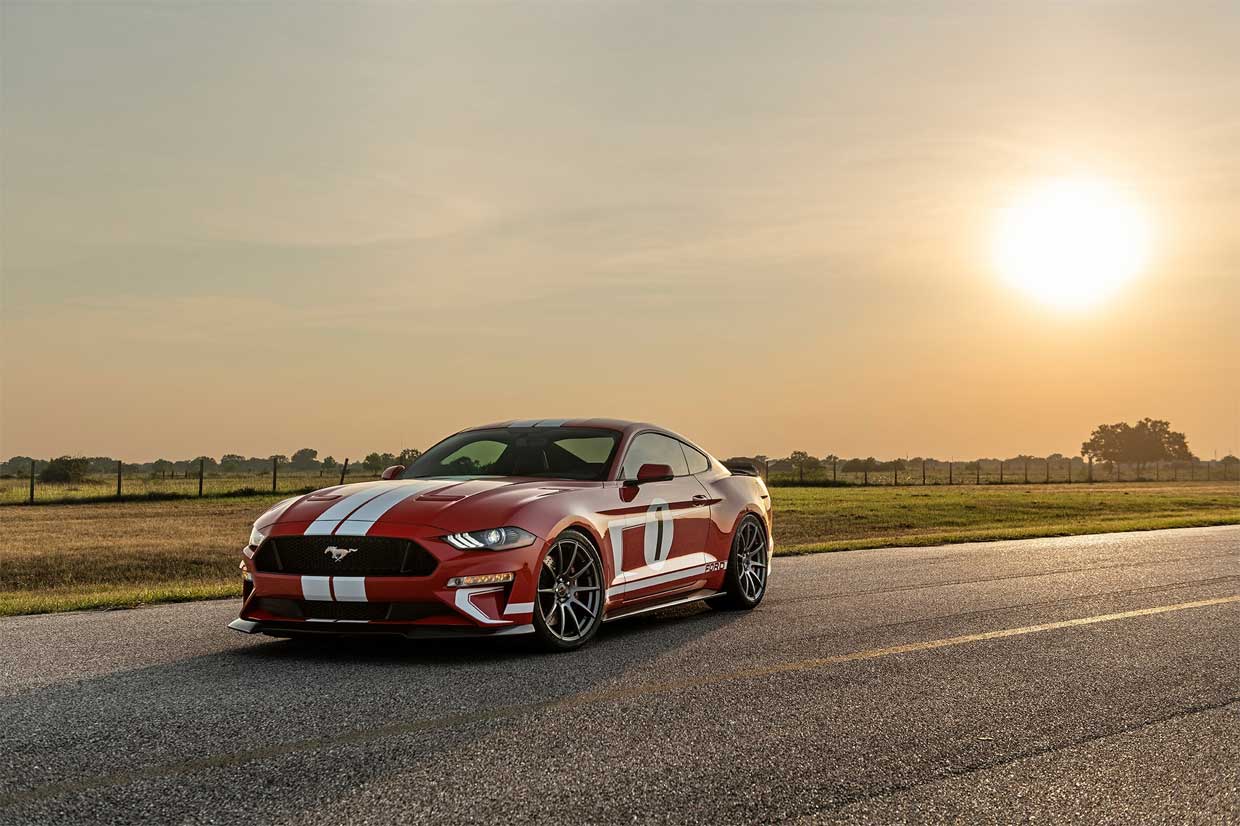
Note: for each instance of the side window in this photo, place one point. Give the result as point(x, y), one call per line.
point(698, 463)
point(654, 449)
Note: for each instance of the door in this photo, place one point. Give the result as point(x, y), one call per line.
point(658, 530)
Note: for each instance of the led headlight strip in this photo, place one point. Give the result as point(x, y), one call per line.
point(492, 539)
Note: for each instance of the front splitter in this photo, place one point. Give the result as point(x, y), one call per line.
point(337, 628)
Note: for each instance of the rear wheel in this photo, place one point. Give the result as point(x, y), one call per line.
point(569, 606)
point(745, 581)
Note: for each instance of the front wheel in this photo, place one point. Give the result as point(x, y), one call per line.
point(569, 608)
point(744, 584)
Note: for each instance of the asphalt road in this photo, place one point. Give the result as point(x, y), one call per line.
point(1086, 678)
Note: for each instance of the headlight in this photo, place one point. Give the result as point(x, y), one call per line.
point(257, 537)
point(492, 539)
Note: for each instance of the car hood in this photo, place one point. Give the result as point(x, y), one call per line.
point(450, 504)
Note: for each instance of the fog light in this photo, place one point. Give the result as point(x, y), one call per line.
point(482, 579)
point(245, 573)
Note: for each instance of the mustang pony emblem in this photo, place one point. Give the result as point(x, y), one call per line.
point(339, 553)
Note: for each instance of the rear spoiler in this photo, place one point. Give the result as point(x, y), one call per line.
point(742, 468)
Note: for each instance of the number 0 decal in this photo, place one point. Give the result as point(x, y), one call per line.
point(657, 545)
point(659, 529)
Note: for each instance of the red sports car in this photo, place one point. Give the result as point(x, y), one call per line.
point(547, 527)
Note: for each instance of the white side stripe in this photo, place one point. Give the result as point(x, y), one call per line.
point(349, 588)
point(633, 577)
point(689, 573)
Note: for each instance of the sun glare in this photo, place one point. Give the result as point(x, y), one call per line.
point(1072, 242)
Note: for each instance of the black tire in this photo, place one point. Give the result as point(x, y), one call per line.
point(568, 606)
point(750, 553)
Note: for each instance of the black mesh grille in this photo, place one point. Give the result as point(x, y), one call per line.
point(344, 556)
point(345, 610)
point(322, 609)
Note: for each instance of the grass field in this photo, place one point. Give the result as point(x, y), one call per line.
point(66, 557)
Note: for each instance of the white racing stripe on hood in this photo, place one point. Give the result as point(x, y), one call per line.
point(330, 518)
point(364, 518)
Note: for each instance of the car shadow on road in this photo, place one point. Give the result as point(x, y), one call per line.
point(247, 710)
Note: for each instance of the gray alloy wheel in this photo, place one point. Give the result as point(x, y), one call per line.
point(568, 609)
point(748, 563)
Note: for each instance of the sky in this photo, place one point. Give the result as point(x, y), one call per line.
point(250, 228)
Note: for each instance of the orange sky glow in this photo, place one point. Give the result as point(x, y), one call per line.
point(229, 229)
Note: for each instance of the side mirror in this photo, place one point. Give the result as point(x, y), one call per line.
point(393, 471)
point(651, 473)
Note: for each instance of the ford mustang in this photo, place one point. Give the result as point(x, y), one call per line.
point(546, 527)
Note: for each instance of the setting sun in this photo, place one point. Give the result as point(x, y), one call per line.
point(1071, 242)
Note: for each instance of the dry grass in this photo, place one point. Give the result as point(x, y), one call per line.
point(60, 557)
point(65, 557)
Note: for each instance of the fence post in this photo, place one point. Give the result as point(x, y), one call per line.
point(979, 471)
point(273, 474)
point(833, 464)
point(1048, 471)
point(344, 469)
point(895, 473)
point(201, 462)
point(1026, 471)
point(923, 471)
point(1091, 468)
point(949, 473)
point(118, 478)
point(32, 481)
point(1001, 471)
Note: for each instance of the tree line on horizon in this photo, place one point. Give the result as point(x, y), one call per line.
point(1147, 441)
point(305, 460)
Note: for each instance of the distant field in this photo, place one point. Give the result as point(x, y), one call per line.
point(65, 557)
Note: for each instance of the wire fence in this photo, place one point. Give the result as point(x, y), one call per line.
point(196, 482)
point(1030, 471)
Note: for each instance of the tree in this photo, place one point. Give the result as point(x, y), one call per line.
point(65, 469)
point(305, 459)
point(231, 462)
point(19, 465)
point(376, 462)
point(1149, 440)
point(161, 468)
point(833, 460)
point(407, 456)
point(279, 459)
point(862, 466)
point(799, 459)
point(329, 462)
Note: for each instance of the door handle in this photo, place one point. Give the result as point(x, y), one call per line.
point(700, 497)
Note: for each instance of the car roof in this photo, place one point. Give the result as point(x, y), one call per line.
point(621, 425)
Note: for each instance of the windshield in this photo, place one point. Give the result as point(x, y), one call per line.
point(550, 452)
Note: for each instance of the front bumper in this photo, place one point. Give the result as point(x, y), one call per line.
point(286, 604)
point(419, 632)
